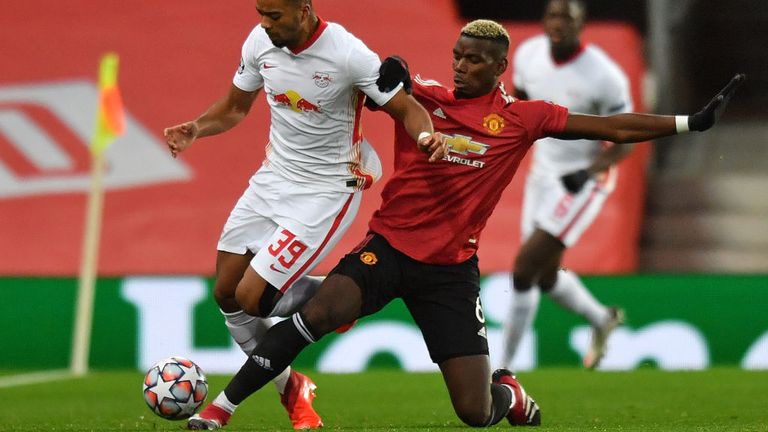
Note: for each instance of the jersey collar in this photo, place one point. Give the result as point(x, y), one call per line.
point(480, 100)
point(321, 25)
point(577, 52)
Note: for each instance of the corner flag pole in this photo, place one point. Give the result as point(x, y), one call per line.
point(110, 123)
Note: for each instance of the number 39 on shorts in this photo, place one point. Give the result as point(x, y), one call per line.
point(287, 249)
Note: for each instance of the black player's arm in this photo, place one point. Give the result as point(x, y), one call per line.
point(610, 156)
point(404, 108)
point(633, 127)
point(619, 128)
point(521, 94)
point(629, 128)
point(225, 113)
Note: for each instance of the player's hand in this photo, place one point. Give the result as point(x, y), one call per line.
point(707, 117)
point(434, 145)
point(575, 181)
point(393, 71)
point(180, 137)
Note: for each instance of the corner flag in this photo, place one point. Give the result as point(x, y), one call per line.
point(110, 123)
point(110, 119)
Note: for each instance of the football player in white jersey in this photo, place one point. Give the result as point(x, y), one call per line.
point(315, 76)
point(569, 180)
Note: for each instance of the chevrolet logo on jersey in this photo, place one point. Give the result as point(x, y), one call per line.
point(464, 145)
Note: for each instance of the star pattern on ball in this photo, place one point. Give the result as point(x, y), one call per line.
point(175, 388)
point(188, 408)
point(189, 374)
point(162, 387)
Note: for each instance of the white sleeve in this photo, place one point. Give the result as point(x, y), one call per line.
point(363, 66)
point(248, 78)
point(517, 69)
point(616, 97)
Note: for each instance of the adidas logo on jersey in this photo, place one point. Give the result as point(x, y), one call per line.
point(482, 333)
point(439, 113)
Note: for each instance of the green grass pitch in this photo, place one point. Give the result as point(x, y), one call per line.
point(388, 400)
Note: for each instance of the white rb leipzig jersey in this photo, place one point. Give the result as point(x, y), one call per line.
point(316, 96)
point(588, 83)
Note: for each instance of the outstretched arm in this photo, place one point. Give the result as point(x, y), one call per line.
point(633, 127)
point(221, 116)
point(619, 128)
point(630, 128)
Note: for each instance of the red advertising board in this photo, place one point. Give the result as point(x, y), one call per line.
point(164, 215)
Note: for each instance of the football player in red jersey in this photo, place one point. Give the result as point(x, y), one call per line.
point(422, 241)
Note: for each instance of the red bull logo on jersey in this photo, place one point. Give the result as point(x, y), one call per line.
point(463, 145)
point(294, 101)
point(322, 79)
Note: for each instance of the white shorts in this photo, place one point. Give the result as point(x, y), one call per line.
point(288, 226)
point(547, 205)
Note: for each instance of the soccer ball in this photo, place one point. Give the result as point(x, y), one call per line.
point(174, 388)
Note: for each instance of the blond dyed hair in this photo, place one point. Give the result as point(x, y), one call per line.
point(486, 29)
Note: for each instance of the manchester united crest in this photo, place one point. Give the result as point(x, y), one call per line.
point(368, 258)
point(493, 123)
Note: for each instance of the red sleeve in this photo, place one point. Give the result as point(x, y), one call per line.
point(419, 90)
point(543, 118)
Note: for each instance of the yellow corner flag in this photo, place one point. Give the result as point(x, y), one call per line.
point(110, 123)
point(110, 119)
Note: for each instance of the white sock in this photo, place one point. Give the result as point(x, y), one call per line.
point(523, 309)
point(572, 295)
point(246, 330)
point(222, 402)
point(282, 380)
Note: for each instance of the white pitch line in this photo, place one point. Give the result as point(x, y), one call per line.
point(35, 378)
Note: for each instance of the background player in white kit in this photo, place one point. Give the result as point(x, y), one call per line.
point(569, 180)
point(315, 76)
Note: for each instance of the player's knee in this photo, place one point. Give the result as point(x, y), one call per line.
point(547, 280)
point(336, 303)
point(225, 297)
point(522, 281)
point(523, 275)
point(471, 412)
point(321, 318)
point(248, 301)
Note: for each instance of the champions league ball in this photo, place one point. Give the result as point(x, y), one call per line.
point(174, 388)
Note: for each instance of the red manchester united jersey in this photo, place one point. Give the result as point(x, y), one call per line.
point(435, 212)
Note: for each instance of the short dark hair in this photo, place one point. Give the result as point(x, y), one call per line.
point(579, 4)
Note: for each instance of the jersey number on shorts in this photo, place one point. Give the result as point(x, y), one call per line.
point(292, 247)
point(563, 206)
